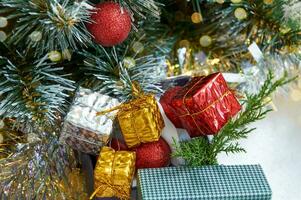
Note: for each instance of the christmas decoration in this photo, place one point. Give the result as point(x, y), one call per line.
point(153, 154)
point(51, 47)
point(140, 121)
point(208, 182)
point(204, 105)
point(111, 24)
point(55, 56)
point(113, 173)
point(196, 151)
point(168, 109)
point(83, 130)
point(74, 187)
point(44, 26)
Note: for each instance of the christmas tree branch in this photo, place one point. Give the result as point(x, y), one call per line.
point(200, 151)
point(48, 25)
point(35, 95)
point(114, 69)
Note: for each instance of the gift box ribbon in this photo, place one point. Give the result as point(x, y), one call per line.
point(113, 173)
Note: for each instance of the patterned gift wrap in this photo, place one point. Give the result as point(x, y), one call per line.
point(83, 130)
point(241, 182)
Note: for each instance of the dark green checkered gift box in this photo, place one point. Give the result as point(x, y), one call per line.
point(240, 182)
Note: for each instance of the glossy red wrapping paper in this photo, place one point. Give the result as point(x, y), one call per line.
point(204, 105)
point(168, 109)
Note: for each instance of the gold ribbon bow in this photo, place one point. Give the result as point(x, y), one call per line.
point(113, 173)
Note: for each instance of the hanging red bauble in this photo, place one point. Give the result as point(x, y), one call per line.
point(153, 155)
point(111, 24)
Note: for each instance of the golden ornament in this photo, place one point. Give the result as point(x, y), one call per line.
point(1, 138)
point(3, 22)
point(3, 36)
point(55, 56)
point(205, 41)
point(284, 29)
point(138, 47)
point(220, 1)
point(196, 17)
point(36, 36)
point(268, 2)
point(184, 43)
point(240, 13)
point(113, 174)
point(235, 1)
point(74, 186)
point(129, 62)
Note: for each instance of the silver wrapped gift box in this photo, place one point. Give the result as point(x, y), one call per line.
point(83, 130)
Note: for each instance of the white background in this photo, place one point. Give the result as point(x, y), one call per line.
point(276, 146)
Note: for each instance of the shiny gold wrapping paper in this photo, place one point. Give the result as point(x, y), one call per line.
point(74, 186)
point(114, 173)
point(140, 121)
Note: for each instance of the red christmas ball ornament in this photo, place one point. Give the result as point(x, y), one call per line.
point(153, 155)
point(111, 24)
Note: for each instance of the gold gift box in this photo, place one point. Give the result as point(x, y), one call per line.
point(114, 173)
point(140, 121)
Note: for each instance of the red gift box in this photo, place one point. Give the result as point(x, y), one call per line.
point(168, 109)
point(205, 105)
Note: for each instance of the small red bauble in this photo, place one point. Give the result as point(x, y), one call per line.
point(111, 24)
point(153, 155)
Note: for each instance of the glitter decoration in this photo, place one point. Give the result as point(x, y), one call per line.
point(268, 2)
point(3, 22)
point(55, 56)
point(205, 41)
point(36, 36)
point(220, 1)
point(111, 24)
point(3, 36)
point(184, 43)
point(196, 17)
point(129, 62)
point(235, 1)
point(240, 13)
point(138, 47)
